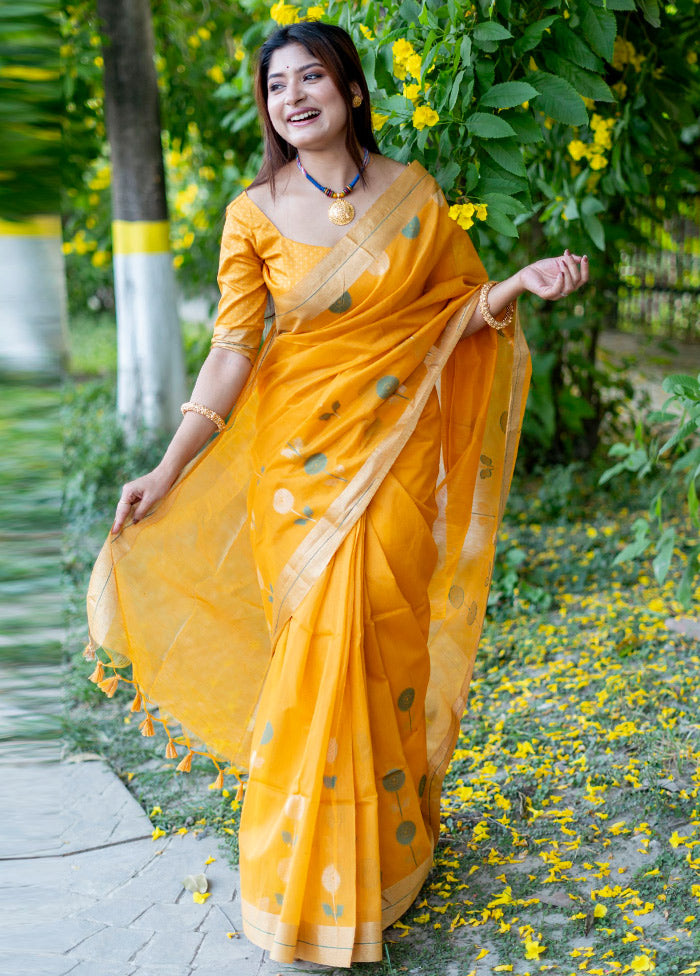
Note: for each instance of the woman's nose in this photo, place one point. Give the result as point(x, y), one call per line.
point(294, 91)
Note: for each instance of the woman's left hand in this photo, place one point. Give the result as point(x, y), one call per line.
point(553, 278)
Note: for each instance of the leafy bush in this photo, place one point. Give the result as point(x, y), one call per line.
point(666, 445)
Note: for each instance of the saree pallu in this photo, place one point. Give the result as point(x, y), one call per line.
point(306, 601)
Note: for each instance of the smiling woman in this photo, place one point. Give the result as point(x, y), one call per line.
point(305, 597)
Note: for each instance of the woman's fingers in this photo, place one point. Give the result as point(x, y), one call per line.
point(128, 499)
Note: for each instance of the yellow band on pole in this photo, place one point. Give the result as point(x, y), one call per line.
point(44, 226)
point(140, 236)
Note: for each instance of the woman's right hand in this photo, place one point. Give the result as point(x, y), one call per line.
point(139, 496)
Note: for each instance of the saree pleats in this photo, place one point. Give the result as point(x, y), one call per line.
point(307, 600)
point(333, 843)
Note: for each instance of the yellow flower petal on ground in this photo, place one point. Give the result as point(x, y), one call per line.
point(210, 860)
point(158, 832)
point(482, 954)
point(675, 840)
point(200, 896)
point(533, 950)
point(642, 964)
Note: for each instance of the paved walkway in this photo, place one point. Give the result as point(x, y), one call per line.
point(85, 890)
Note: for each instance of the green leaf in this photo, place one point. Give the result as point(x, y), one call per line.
point(532, 35)
point(507, 155)
point(585, 82)
point(508, 95)
point(490, 30)
point(650, 9)
point(501, 224)
point(599, 28)
point(559, 100)
point(614, 4)
point(487, 126)
point(594, 229)
point(503, 203)
point(573, 48)
point(454, 94)
point(527, 131)
point(664, 553)
point(465, 50)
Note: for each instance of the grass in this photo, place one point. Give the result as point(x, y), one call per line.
point(570, 840)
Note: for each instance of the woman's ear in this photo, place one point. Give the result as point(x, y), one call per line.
point(355, 88)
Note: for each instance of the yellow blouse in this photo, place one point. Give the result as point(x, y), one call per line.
point(257, 263)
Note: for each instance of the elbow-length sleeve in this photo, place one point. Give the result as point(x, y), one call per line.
point(241, 314)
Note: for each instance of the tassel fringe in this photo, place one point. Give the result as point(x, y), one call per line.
point(109, 686)
point(146, 726)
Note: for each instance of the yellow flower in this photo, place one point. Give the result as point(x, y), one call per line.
point(158, 832)
point(216, 74)
point(414, 63)
point(533, 950)
point(200, 896)
point(178, 260)
point(692, 57)
point(411, 91)
point(402, 50)
point(656, 605)
point(315, 13)
point(600, 911)
point(210, 860)
point(100, 259)
point(284, 13)
point(675, 840)
point(424, 116)
point(642, 964)
point(462, 213)
point(378, 120)
point(204, 33)
point(194, 41)
point(597, 162)
point(577, 149)
point(154, 811)
point(367, 32)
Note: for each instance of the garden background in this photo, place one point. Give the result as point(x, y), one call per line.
point(571, 831)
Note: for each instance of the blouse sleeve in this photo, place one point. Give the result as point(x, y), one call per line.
point(241, 315)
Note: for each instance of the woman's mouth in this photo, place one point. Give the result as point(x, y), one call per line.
point(303, 118)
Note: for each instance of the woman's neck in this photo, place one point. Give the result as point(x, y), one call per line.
point(331, 168)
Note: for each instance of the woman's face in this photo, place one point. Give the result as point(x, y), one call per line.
point(306, 109)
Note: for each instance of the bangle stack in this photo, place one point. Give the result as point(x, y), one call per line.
point(486, 311)
point(192, 407)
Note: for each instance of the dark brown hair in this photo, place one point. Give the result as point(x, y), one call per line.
point(334, 48)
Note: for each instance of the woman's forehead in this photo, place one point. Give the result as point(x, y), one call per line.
point(291, 57)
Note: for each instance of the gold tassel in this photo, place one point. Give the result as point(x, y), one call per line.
point(109, 685)
point(89, 651)
point(170, 750)
point(239, 792)
point(218, 783)
point(185, 765)
point(146, 726)
point(98, 674)
point(136, 703)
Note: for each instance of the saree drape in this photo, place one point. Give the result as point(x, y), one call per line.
point(307, 600)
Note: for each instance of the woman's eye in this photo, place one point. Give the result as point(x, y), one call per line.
point(312, 76)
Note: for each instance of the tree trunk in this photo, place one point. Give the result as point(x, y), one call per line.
point(151, 381)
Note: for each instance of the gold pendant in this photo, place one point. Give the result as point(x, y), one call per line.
point(341, 212)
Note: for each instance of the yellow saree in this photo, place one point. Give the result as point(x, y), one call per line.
point(307, 600)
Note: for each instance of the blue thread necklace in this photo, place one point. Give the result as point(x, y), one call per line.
point(340, 211)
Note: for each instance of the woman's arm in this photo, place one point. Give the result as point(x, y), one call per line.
point(219, 383)
point(550, 278)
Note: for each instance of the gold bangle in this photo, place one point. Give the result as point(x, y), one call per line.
point(192, 407)
point(509, 310)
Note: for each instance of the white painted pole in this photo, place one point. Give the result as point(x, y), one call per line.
point(33, 304)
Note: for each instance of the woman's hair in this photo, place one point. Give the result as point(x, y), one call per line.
point(336, 52)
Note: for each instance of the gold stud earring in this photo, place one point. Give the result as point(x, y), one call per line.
point(356, 101)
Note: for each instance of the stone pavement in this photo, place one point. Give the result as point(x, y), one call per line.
point(84, 890)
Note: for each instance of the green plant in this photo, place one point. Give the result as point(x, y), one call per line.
point(667, 444)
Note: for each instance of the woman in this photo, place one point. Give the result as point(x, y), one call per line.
point(307, 595)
